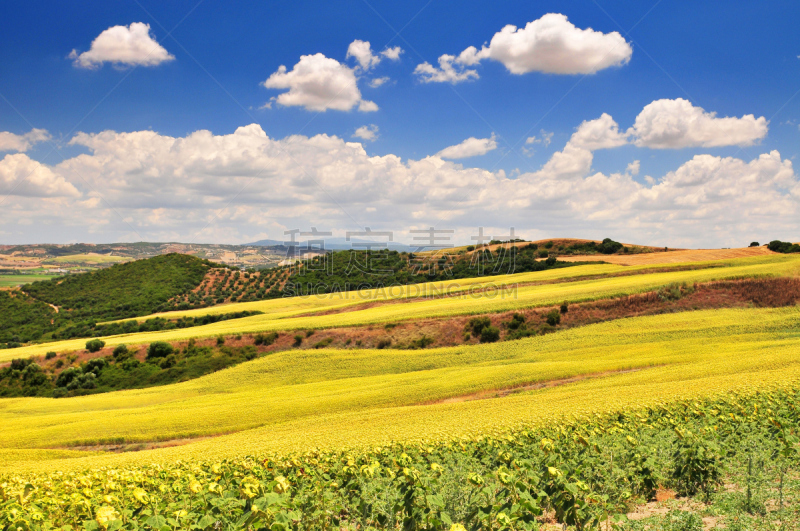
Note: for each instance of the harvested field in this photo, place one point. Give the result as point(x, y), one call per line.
point(671, 257)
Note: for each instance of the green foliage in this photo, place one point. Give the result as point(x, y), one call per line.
point(490, 334)
point(298, 340)
point(755, 244)
point(50, 355)
point(159, 349)
point(94, 345)
point(124, 290)
point(477, 324)
point(517, 321)
point(351, 270)
point(324, 343)
point(777, 246)
point(553, 317)
point(697, 465)
point(120, 352)
point(265, 339)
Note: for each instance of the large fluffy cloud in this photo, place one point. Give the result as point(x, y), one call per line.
point(665, 124)
point(319, 83)
point(245, 185)
point(24, 177)
point(471, 147)
point(123, 45)
point(551, 44)
point(22, 143)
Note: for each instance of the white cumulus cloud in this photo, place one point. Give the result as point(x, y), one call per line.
point(123, 46)
point(671, 124)
point(471, 147)
point(12, 142)
point(361, 51)
point(551, 44)
point(24, 177)
point(234, 187)
point(378, 81)
point(319, 83)
point(367, 132)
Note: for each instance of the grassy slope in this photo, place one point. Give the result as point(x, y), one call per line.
point(10, 281)
point(87, 259)
point(281, 314)
point(344, 398)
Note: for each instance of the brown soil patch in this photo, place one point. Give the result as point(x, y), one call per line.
point(670, 257)
point(132, 447)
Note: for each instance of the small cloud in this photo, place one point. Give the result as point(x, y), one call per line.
point(633, 168)
point(379, 81)
point(544, 138)
point(471, 147)
point(649, 179)
point(123, 46)
point(393, 54)
point(318, 83)
point(367, 132)
point(22, 143)
point(361, 51)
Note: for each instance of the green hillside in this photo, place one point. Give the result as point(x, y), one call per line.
point(119, 292)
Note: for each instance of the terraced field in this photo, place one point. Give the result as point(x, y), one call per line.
point(299, 400)
point(471, 296)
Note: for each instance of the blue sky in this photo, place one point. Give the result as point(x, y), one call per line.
point(734, 59)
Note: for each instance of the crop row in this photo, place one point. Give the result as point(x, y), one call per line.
point(582, 471)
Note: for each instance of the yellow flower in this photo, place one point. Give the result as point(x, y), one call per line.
point(180, 514)
point(249, 487)
point(457, 527)
point(195, 486)
point(106, 515)
point(141, 496)
point(281, 484)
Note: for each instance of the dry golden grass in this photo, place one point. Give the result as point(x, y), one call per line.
point(671, 257)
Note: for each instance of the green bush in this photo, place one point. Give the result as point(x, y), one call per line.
point(94, 345)
point(50, 355)
point(265, 339)
point(383, 343)
point(517, 321)
point(553, 317)
point(777, 246)
point(120, 351)
point(609, 246)
point(159, 349)
point(476, 324)
point(298, 340)
point(490, 334)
